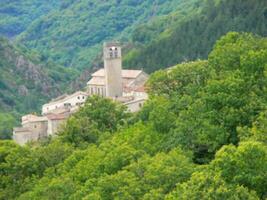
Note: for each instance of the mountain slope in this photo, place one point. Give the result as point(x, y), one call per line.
point(26, 83)
point(73, 34)
point(209, 112)
point(192, 37)
point(16, 15)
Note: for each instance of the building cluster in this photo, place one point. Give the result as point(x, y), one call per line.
point(125, 86)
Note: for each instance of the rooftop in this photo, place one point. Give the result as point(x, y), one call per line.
point(66, 97)
point(96, 81)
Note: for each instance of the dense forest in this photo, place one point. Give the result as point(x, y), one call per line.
point(51, 34)
point(16, 16)
point(192, 35)
point(25, 83)
point(201, 135)
point(156, 34)
point(72, 35)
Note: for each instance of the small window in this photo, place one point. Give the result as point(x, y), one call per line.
point(35, 126)
point(67, 104)
point(83, 97)
point(110, 53)
point(116, 52)
point(78, 97)
point(140, 105)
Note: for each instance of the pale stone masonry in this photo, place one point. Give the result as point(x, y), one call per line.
point(124, 85)
point(64, 102)
point(113, 66)
point(36, 127)
point(130, 80)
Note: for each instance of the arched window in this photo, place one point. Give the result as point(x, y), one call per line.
point(110, 53)
point(116, 52)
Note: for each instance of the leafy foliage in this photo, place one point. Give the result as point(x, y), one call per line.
point(202, 134)
point(16, 16)
point(26, 83)
point(71, 35)
point(97, 116)
point(191, 35)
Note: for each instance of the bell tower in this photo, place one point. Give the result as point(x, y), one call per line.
point(113, 69)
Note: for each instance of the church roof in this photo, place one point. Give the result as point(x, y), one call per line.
point(126, 73)
point(96, 80)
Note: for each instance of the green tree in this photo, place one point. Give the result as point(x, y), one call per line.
point(204, 185)
point(244, 165)
point(98, 115)
point(7, 121)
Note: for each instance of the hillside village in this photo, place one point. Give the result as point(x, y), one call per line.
point(125, 86)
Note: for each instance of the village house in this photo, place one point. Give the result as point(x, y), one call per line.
point(65, 103)
point(35, 127)
point(122, 85)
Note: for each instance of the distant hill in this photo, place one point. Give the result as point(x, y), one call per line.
point(201, 135)
point(17, 15)
point(26, 82)
point(193, 36)
point(73, 34)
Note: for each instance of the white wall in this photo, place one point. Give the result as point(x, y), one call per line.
point(71, 102)
point(97, 90)
point(54, 126)
point(135, 106)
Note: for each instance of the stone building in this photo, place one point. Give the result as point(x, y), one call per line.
point(131, 79)
point(125, 86)
point(34, 127)
point(65, 103)
point(54, 114)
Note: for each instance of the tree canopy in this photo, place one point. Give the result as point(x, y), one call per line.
point(202, 134)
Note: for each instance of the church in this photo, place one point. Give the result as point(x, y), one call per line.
point(123, 85)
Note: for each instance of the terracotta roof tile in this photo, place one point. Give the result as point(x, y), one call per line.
point(96, 81)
